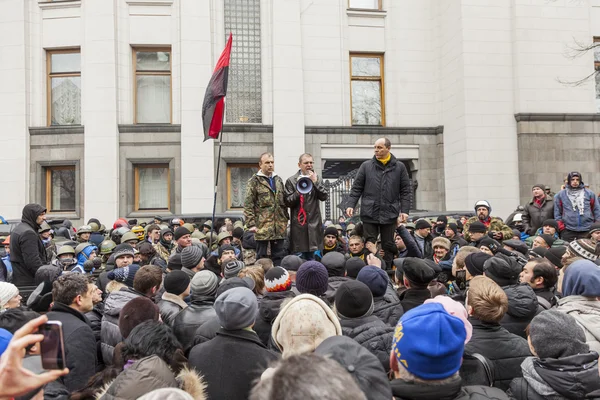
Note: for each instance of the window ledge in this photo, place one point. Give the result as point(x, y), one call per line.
point(62, 215)
point(147, 128)
point(149, 214)
point(358, 12)
point(58, 4)
point(56, 130)
point(150, 2)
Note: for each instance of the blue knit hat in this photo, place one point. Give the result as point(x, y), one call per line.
point(312, 278)
point(429, 342)
point(124, 275)
point(5, 338)
point(375, 278)
point(582, 278)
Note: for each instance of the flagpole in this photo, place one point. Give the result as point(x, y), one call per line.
point(213, 229)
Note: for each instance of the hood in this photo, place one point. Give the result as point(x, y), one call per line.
point(573, 174)
point(522, 301)
point(270, 304)
point(116, 300)
point(585, 310)
point(30, 214)
point(416, 391)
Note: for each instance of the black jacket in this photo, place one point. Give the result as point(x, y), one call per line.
point(191, 318)
point(95, 319)
point(334, 283)
point(207, 331)
point(522, 307)
point(534, 216)
point(412, 249)
point(574, 377)
point(504, 350)
point(231, 363)
point(373, 334)
point(452, 390)
point(309, 236)
point(412, 298)
point(268, 309)
point(388, 309)
point(27, 252)
point(386, 191)
point(80, 345)
point(546, 298)
point(169, 306)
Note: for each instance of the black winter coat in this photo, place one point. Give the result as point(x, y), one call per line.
point(574, 377)
point(80, 346)
point(334, 283)
point(207, 331)
point(191, 318)
point(452, 390)
point(522, 307)
point(534, 216)
point(412, 298)
point(169, 306)
point(504, 350)
point(268, 309)
point(27, 252)
point(386, 191)
point(231, 363)
point(110, 335)
point(388, 309)
point(412, 248)
point(307, 237)
point(373, 334)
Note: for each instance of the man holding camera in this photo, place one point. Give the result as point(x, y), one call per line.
point(306, 233)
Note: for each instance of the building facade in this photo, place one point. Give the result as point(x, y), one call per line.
point(101, 100)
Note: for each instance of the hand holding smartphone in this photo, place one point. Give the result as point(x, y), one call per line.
point(52, 347)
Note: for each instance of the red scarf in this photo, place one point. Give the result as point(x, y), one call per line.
point(487, 221)
point(538, 202)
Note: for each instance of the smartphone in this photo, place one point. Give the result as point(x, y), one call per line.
point(52, 347)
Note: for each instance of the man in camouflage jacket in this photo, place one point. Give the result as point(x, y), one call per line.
point(495, 227)
point(265, 211)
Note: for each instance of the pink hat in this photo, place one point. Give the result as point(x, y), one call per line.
point(456, 309)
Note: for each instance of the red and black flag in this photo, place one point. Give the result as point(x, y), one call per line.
point(213, 106)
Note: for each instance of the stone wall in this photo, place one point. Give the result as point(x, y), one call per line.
point(552, 145)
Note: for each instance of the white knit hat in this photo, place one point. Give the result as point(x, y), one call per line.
point(7, 292)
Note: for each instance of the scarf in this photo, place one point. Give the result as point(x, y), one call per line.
point(536, 382)
point(329, 248)
point(577, 198)
point(386, 160)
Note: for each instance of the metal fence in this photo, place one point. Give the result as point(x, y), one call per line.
point(339, 191)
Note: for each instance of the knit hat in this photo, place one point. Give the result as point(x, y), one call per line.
point(453, 226)
point(191, 256)
point(335, 263)
point(501, 272)
point(551, 222)
point(429, 342)
point(556, 334)
point(236, 308)
point(225, 247)
point(175, 262)
point(417, 272)
point(331, 230)
point(205, 283)
point(584, 248)
point(489, 243)
point(595, 227)
point(538, 185)
point(124, 275)
point(477, 227)
point(176, 282)
point(442, 242)
point(312, 278)
point(181, 232)
point(548, 239)
point(136, 311)
point(291, 262)
point(303, 323)
point(554, 255)
point(375, 279)
point(146, 248)
point(517, 245)
point(234, 282)
point(7, 292)
point(474, 262)
point(5, 338)
point(582, 278)
point(422, 224)
point(363, 365)
point(353, 266)
point(538, 252)
point(277, 279)
point(353, 299)
point(123, 249)
point(454, 308)
point(232, 268)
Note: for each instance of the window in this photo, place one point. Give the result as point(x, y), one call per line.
point(367, 95)
point(152, 86)
point(244, 91)
point(152, 187)
point(60, 188)
point(597, 69)
point(64, 87)
point(365, 4)
point(237, 178)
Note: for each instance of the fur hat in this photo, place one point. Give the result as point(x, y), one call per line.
point(441, 242)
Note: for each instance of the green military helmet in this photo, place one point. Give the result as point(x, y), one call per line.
point(338, 227)
point(84, 229)
point(44, 227)
point(66, 249)
point(198, 235)
point(213, 235)
point(238, 224)
point(95, 227)
point(102, 228)
point(127, 236)
point(107, 247)
point(223, 235)
point(189, 227)
point(82, 246)
point(208, 223)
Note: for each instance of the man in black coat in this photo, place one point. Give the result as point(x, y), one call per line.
point(417, 276)
point(73, 297)
point(27, 252)
point(385, 188)
point(306, 233)
point(232, 361)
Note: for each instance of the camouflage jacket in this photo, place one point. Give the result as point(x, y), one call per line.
point(496, 225)
point(265, 209)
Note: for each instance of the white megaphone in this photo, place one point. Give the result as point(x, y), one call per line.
point(304, 185)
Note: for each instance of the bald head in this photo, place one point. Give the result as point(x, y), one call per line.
point(382, 148)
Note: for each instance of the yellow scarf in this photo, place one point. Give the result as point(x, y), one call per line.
point(386, 160)
point(329, 248)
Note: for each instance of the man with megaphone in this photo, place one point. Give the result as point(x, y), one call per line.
point(303, 191)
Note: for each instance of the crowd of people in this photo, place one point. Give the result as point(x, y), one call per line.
point(283, 306)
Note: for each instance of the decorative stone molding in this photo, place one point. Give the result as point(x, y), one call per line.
point(550, 117)
point(373, 130)
point(59, 4)
point(56, 130)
